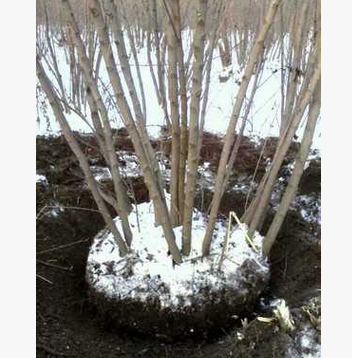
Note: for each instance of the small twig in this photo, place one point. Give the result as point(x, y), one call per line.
point(40, 211)
point(233, 261)
point(72, 208)
point(62, 207)
point(226, 242)
point(79, 114)
point(62, 246)
point(53, 351)
point(199, 257)
point(42, 238)
point(223, 331)
point(56, 266)
point(244, 231)
point(130, 188)
point(41, 316)
point(44, 279)
point(279, 260)
point(285, 268)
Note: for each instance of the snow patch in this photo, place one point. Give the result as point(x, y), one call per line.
point(41, 179)
point(309, 207)
point(148, 272)
point(100, 173)
point(306, 344)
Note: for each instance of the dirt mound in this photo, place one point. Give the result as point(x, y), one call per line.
point(231, 201)
point(311, 178)
point(146, 293)
point(266, 340)
point(248, 156)
point(56, 161)
point(198, 322)
point(271, 145)
point(67, 323)
point(295, 260)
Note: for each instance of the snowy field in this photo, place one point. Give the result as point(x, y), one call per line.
point(263, 118)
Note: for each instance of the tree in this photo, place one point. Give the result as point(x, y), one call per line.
point(102, 78)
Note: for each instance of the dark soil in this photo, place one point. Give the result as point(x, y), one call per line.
point(198, 322)
point(311, 178)
point(68, 324)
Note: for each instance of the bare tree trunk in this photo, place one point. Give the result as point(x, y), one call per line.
point(206, 90)
point(282, 70)
point(192, 172)
point(159, 83)
point(152, 73)
point(160, 62)
point(97, 66)
point(56, 70)
point(95, 100)
point(294, 71)
point(252, 62)
point(236, 147)
point(296, 175)
point(138, 70)
point(138, 139)
point(209, 61)
point(241, 131)
point(57, 109)
point(304, 91)
point(126, 70)
point(284, 143)
point(123, 57)
point(172, 13)
point(225, 50)
point(184, 120)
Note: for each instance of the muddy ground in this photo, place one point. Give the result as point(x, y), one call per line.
point(68, 324)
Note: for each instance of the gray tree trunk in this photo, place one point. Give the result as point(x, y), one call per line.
point(95, 100)
point(283, 146)
point(297, 172)
point(196, 91)
point(173, 89)
point(183, 110)
point(252, 62)
point(139, 139)
point(83, 162)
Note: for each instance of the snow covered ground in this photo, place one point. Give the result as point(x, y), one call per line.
point(306, 344)
point(41, 179)
point(309, 207)
point(148, 272)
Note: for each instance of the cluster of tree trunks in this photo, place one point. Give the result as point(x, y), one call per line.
point(181, 79)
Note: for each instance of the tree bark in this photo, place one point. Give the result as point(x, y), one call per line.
point(127, 73)
point(192, 159)
point(160, 62)
point(284, 143)
point(241, 131)
point(209, 61)
point(57, 109)
point(304, 89)
point(173, 89)
point(183, 115)
point(296, 35)
point(148, 169)
point(138, 70)
point(252, 62)
point(95, 100)
point(206, 92)
point(296, 175)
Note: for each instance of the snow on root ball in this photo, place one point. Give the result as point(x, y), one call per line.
point(145, 292)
